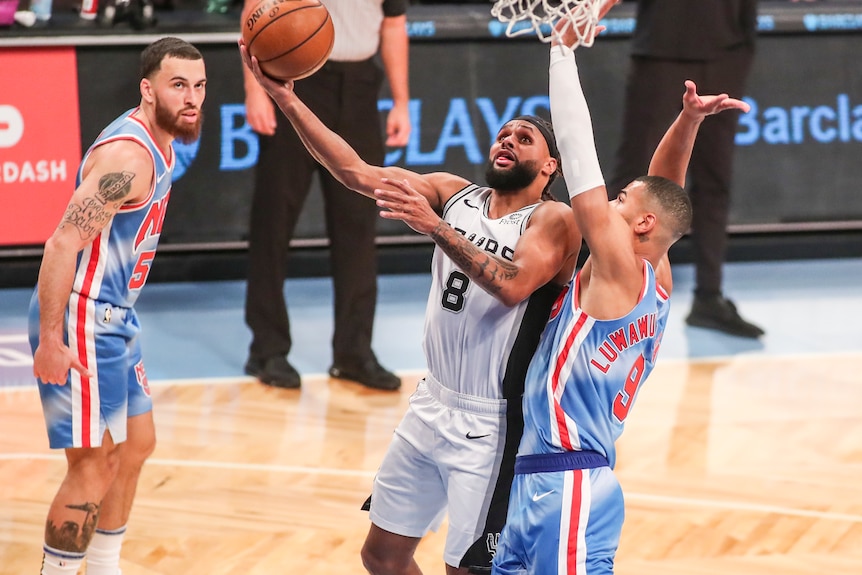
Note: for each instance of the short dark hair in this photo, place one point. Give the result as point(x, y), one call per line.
point(155, 53)
point(674, 202)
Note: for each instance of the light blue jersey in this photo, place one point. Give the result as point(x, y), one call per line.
point(566, 504)
point(585, 375)
point(101, 325)
point(114, 267)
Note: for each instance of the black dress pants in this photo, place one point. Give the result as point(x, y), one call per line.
point(653, 99)
point(344, 96)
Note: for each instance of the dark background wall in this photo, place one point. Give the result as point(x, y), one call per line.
point(797, 178)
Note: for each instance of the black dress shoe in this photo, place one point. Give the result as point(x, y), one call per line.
point(719, 313)
point(274, 371)
point(370, 374)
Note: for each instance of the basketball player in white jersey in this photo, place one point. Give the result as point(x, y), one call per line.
point(502, 253)
point(566, 509)
point(83, 327)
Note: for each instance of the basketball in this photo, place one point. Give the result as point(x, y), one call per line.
point(291, 39)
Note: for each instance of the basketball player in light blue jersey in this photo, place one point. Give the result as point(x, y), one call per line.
point(502, 255)
point(83, 327)
point(566, 508)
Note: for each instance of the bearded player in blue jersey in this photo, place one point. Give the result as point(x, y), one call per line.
point(83, 326)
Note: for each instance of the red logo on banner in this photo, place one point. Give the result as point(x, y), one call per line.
point(40, 141)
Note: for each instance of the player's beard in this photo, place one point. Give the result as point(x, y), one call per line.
point(175, 126)
point(512, 179)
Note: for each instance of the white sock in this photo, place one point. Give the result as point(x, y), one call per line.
point(56, 562)
point(103, 553)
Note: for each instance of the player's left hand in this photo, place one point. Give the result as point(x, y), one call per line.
point(406, 204)
point(698, 106)
point(269, 84)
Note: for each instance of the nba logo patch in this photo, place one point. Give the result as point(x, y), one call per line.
point(558, 304)
point(141, 376)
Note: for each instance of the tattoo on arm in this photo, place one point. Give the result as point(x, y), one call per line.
point(72, 536)
point(489, 271)
point(91, 215)
point(114, 187)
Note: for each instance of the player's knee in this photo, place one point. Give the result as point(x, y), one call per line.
point(140, 442)
point(378, 562)
point(138, 449)
point(369, 560)
point(95, 467)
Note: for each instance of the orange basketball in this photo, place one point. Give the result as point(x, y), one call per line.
point(290, 38)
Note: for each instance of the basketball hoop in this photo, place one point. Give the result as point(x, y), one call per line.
point(539, 16)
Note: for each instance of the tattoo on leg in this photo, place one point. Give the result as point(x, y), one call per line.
point(72, 536)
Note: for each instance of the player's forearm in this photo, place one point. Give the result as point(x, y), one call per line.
point(495, 275)
point(56, 276)
point(395, 54)
point(573, 127)
point(325, 146)
point(673, 153)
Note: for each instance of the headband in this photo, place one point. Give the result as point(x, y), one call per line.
point(542, 126)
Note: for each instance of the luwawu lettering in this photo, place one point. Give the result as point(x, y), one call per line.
point(623, 338)
point(825, 123)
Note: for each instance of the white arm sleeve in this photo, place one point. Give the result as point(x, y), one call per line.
point(573, 127)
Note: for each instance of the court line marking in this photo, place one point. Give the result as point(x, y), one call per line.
point(741, 506)
point(420, 372)
point(227, 380)
point(228, 465)
point(644, 497)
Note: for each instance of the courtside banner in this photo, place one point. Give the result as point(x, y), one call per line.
point(40, 142)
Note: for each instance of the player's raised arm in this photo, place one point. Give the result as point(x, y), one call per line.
point(673, 153)
point(545, 253)
point(332, 152)
point(601, 227)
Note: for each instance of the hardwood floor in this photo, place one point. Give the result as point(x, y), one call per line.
point(750, 466)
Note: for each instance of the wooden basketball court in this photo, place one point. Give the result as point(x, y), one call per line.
point(746, 465)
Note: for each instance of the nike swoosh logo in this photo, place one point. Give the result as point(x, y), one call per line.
point(538, 496)
point(468, 436)
point(469, 205)
point(161, 177)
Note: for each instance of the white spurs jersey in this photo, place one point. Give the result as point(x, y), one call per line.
point(474, 344)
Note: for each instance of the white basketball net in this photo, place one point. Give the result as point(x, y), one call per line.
point(539, 16)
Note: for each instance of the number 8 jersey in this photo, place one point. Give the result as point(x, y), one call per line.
point(493, 341)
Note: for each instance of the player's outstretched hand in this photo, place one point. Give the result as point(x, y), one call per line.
point(701, 106)
point(269, 84)
point(406, 204)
